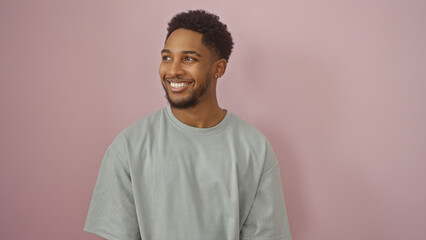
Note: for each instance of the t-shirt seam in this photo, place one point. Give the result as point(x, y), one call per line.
point(126, 158)
point(277, 238)
point(123, 159)
point(104, 232)
point(269, 169)
point(257, 189)
point(118, 157)
point(197, 133)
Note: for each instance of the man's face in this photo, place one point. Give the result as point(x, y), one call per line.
point(186, 69)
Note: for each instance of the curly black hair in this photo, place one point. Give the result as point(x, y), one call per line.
point(215, 34)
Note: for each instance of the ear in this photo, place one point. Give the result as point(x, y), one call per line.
point(220, 68)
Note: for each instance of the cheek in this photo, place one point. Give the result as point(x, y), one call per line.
point(162, 71)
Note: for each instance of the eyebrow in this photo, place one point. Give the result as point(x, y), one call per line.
point(184, 52)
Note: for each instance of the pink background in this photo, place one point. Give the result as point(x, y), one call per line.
point(339, 87)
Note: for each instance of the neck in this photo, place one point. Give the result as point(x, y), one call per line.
point(201, 115)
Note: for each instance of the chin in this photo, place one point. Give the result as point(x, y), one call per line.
point(182, 103)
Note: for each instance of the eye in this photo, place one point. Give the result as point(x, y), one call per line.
point(166, 58)
point(189, 59)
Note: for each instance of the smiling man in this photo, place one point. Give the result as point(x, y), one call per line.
point(191, 171)
point(187, 70)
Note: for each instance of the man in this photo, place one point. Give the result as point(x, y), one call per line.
point(191, 171)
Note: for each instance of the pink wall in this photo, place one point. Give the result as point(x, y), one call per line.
point(337, 86)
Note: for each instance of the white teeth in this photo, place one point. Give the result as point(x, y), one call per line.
point(178, 85)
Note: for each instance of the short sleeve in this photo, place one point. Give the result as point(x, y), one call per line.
point(112, 213)
point(267, 219)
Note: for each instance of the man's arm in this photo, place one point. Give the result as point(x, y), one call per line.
point(112, 212)
point(267, 219)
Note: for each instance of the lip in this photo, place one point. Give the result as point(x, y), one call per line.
point(179, 89)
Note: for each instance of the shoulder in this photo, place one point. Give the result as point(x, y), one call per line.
point(144, 125)
point(146, 122)
point(140, 129)
point(245, 130)
point(253, 140)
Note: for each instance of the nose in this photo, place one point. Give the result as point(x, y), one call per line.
point(175, 69)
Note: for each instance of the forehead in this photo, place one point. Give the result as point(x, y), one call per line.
point(185, 40)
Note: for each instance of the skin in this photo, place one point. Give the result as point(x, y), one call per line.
point(185, 59)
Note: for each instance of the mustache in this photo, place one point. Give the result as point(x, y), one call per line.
point(178, 79)
point(175, 78)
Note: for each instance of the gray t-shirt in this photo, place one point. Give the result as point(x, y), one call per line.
point(161, 179)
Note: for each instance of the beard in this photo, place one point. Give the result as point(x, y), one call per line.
point(193, 98)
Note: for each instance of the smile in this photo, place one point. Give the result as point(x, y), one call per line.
point(179, 86)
